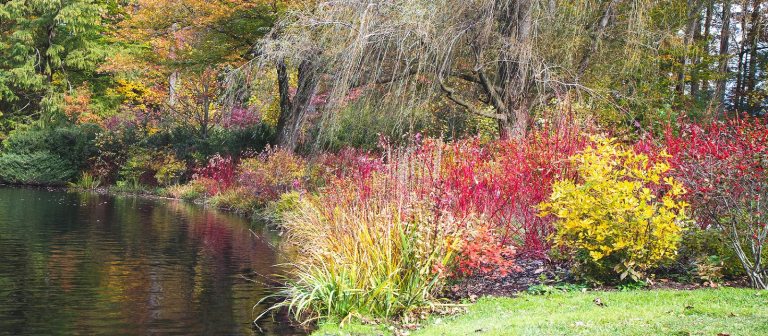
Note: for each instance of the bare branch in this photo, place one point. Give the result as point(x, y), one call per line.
point(451, 94)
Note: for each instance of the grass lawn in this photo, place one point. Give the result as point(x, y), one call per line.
point(727, 311)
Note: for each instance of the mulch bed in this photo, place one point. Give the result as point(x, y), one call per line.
point(532, 272)
point(539, 272)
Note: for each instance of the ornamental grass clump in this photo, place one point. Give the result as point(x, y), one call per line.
point(371, 247)
point(622, 216)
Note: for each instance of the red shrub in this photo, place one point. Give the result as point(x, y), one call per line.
point(271, 173)
point(240, 118)
point(350, 163)
point(218, 175)
point(504, 181)
point(723, 166)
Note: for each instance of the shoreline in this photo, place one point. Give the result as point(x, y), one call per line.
point(202, 202)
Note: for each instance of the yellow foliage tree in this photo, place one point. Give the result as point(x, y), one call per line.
point(623, 215)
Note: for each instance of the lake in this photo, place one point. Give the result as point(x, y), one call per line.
point(85, 263)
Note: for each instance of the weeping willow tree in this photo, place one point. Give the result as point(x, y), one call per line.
point(500, 59)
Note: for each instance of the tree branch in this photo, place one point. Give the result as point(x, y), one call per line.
point(496, 99)
point(451, 94)
point(597, 35)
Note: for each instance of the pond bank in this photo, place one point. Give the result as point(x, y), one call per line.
point(145, 194)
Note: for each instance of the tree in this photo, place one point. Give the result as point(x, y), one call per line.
point(47, 48)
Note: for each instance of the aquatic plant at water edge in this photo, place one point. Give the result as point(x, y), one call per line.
point(87, 181)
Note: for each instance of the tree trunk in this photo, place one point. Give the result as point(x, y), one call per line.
point(513, 77)
point(173, 79)
point(204, 124)
point(738, 91)
point(696, 60)
point(294, 111)
point(173, 82)
point(283, 84)
point(707, 35)
point(691, 29)
point(725, 33)
point(752, 40)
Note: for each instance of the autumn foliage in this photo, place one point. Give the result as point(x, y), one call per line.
point(623, 214)
point(723, 165)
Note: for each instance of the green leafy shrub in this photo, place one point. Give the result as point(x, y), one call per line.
point(129, 186)
point(282, 207)
point(42, 167)
point(152, 167)
point(235, 199)
point(113, 150)
point(699, 245)
point(73, 143)
point(139, 168)
point(543, 289)
point(187, 145)
point(623, 216)
point(710, 269)
point(170, 171)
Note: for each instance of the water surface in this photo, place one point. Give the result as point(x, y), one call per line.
point(83, 263)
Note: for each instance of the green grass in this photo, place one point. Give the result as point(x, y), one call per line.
point(700, 312)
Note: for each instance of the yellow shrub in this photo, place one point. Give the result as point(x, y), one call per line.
point(622, 215)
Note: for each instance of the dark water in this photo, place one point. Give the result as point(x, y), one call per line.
point(81, 263)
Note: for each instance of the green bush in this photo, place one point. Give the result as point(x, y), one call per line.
point(129, 186)
point(286, 204)
point(170, 171)
point(41, 167)
point(360, 126)
point(139, 167)
point(701, 245)
point(112, 153)
point(33, 155)
point(187, 144)
point(237, 200)
point(72, 143)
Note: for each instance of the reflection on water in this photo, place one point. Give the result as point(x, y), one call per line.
point(80, 263)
